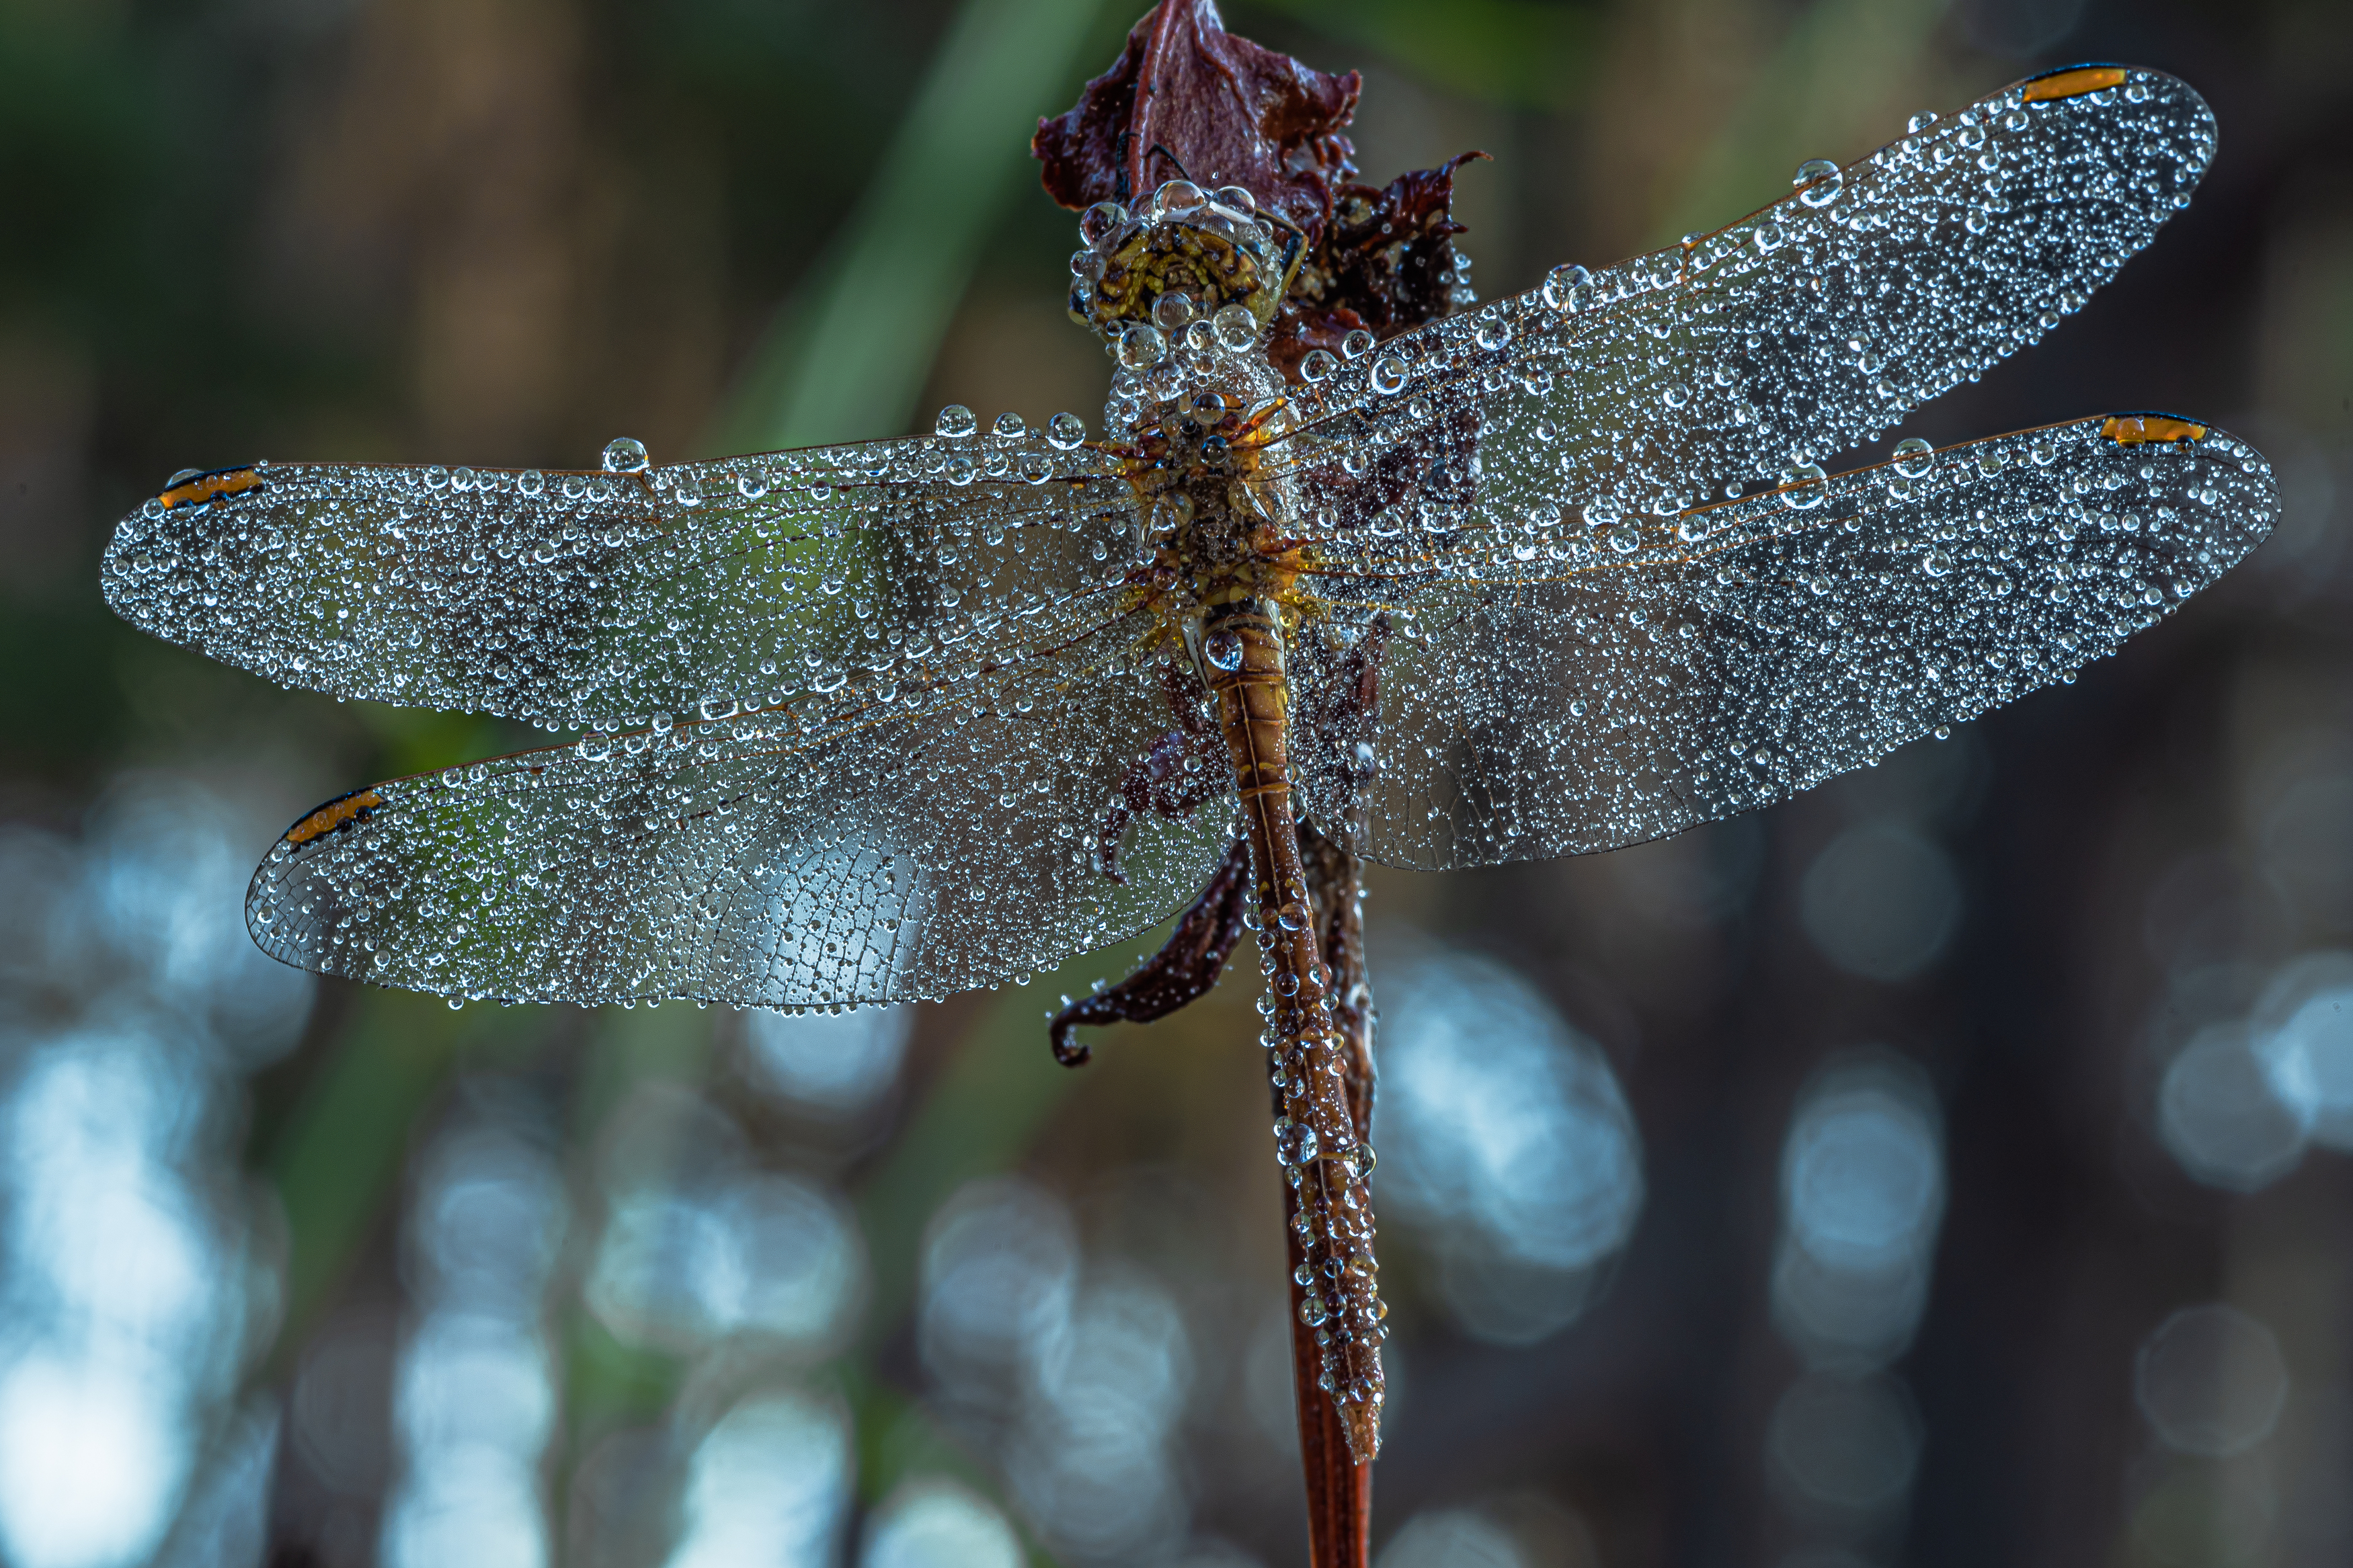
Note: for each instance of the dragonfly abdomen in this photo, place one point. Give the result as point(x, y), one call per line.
point(1315, 1137)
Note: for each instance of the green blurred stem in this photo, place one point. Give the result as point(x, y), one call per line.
point(848, 357)
point(981, 1116)
point(336, 1165)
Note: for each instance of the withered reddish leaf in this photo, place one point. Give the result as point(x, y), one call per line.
point(1188, 98)
point(1386, 263)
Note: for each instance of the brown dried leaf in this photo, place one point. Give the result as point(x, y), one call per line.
point(1188, 99)
point(1386, 263)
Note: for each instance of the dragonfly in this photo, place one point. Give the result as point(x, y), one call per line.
point(1550, 575)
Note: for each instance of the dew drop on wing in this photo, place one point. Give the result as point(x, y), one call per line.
point(839, 815)
point(1811, 629)
point(1810, 326)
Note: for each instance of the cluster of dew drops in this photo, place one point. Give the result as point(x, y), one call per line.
point(1185, 348)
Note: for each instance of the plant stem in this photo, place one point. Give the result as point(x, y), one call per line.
point(1339, 1489)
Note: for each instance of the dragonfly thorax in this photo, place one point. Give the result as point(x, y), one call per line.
point(1209, 498)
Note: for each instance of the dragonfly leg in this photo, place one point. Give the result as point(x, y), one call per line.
point(1184, 768)
point(1186, 967)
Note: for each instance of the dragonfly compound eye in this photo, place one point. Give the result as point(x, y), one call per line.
point(1188, 260)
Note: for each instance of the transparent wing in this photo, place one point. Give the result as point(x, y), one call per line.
point(572, 599)
point(908, 835)
point(1788, 336)
point(1555, 693)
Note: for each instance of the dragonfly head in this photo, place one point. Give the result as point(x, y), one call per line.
point(1184, 255)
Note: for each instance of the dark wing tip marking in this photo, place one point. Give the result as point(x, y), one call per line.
point(2071, 81)
point(339, 813)
point(195, 487)
point(2145, 425)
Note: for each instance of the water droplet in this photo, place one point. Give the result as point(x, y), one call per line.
point(1223, 650)
point(1100, 222)
point(1561, 286)
point(624, 455)
point(1357, 344)
point(1236, 328)
point(1008, 427)
point(1920, 122)
point(1177, 198)
point(955, 423)
point(1807, 488)
point(1388, 375)
point(1914, 457)
point(1819, 182)
point(530, 482)
point(1236, 198)
point(1494, 332)
point(1295, 1142)
point(1318, 365)
point(1141, 345)
point(1066, 431)
point(1172, 311)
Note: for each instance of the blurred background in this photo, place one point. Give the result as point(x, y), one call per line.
point(1947, 1167)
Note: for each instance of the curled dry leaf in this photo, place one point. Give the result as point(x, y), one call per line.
point(1187, 98)
point(1387, 262)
